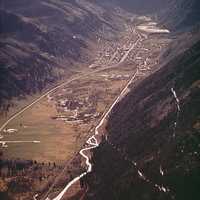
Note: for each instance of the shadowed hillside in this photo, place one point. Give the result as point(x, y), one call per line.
point(152, 150)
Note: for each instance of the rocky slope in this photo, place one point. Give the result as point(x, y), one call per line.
point(41, 40)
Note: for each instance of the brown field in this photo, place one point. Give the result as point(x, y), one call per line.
point(59, 139)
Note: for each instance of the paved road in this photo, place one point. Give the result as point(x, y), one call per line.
point(62, 85)
point(49, 92)
point(128, 52)
point(40, 98)
point(92, 141)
